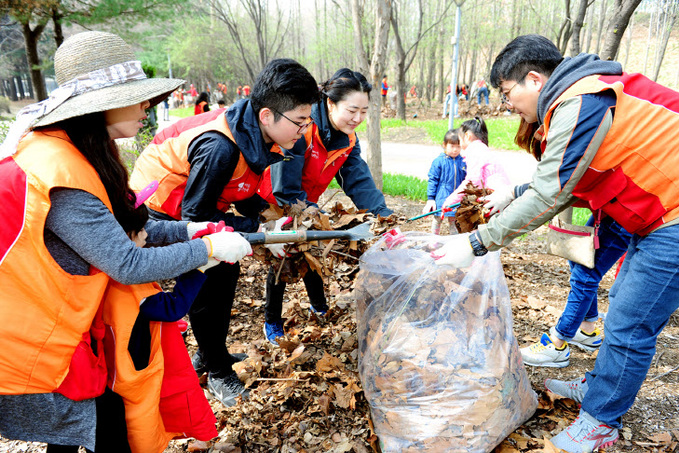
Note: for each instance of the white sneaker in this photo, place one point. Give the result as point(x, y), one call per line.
point(587, 341)
point(544, 353)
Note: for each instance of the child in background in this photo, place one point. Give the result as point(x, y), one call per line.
point(447, 172)
point(481, 170)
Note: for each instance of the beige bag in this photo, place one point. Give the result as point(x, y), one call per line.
point(576, 243)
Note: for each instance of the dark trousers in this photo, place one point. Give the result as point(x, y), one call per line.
point(210, 316)
point(274, 294)
point(111, 430)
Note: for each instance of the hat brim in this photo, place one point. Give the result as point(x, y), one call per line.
point(113, 97)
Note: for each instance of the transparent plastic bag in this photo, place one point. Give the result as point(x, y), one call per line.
point(438, 360)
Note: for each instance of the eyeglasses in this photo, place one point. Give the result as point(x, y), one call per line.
point(302, 126)
point(504, 97)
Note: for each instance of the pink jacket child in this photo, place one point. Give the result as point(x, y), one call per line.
point(481, 170)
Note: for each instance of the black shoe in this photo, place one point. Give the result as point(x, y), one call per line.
point(227, 388)
point(201, 367)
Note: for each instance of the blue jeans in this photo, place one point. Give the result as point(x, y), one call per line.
point(582, 300)
point(449, 97)
point(483, 91)
point(642, 299)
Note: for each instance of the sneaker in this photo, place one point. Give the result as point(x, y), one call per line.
point(544, 353)
point(574, 389)
point(200, 365)
point(273, 330)
point(227, 389)
point(585, 434)
point(587, 341)
point(319, 312)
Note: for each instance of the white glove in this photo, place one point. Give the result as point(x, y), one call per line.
point(430, 206)
point(228, 246)
point(456, 252)
point(278, 250)
point(193, 227)
point(211, 262)
point(498, 200)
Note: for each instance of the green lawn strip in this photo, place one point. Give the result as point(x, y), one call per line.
point(501, 129)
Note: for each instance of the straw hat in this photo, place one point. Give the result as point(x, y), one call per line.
point(111, 59)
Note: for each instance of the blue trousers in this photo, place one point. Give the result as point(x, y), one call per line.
point(582, 299)
point(642, 299)
point(483, 92)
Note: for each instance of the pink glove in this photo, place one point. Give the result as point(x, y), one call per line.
point(430, 206)
point(228, 246)
point(203, 228)
point(498, 200)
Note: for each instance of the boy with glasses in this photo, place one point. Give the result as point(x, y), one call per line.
point(205, 168)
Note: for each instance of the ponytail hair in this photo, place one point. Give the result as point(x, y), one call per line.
point(477, 127)
point(344, 82)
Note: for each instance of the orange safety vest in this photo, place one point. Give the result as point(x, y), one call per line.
point(320, 166)
point(634, 174)
point(168, 163)
point(158, 406)
point(45, 311)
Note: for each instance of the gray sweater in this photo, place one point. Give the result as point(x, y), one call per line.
point(80, 231)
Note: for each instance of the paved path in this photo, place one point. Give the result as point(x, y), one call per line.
point(415, 160)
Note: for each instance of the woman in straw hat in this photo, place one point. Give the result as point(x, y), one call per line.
point(64, 257)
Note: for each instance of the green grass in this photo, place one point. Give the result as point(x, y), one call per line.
point(183, 112)
point(400, 185)
point(501, 129)
point(581, 216)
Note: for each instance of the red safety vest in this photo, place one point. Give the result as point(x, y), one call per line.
point(634, 175)
point(320, 167)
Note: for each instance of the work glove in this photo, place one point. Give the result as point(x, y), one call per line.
point(456, 252)
point(228, 246)
point(205, 228)
point(430, 206)
point(211, 262)
point(498, 200)
point(278, 250)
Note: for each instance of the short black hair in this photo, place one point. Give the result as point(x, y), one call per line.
point(452, 136)
point(477, 127)
point(133, 220)
point(524, 54)
point(283, 85)
point(342, 83)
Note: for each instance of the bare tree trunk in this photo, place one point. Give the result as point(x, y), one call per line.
point(590, 27)
point(377, 63)
point(628, 44)
point(565, 29)
point(600, 29)
point(58, 31)
point(616, 28)
point(669, 18)
point(31, 41)
point(577, 26)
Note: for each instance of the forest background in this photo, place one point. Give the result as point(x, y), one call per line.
point(207, 42)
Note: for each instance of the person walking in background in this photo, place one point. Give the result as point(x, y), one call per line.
point(329, 149)
point(207, 167)
point(166, 109)
point(447, 172)
point(246, 91)
point(239, 92)
point(64, 190)
point(384, 90)
point(446, 103)
point(482, 91)
point(202, 104)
